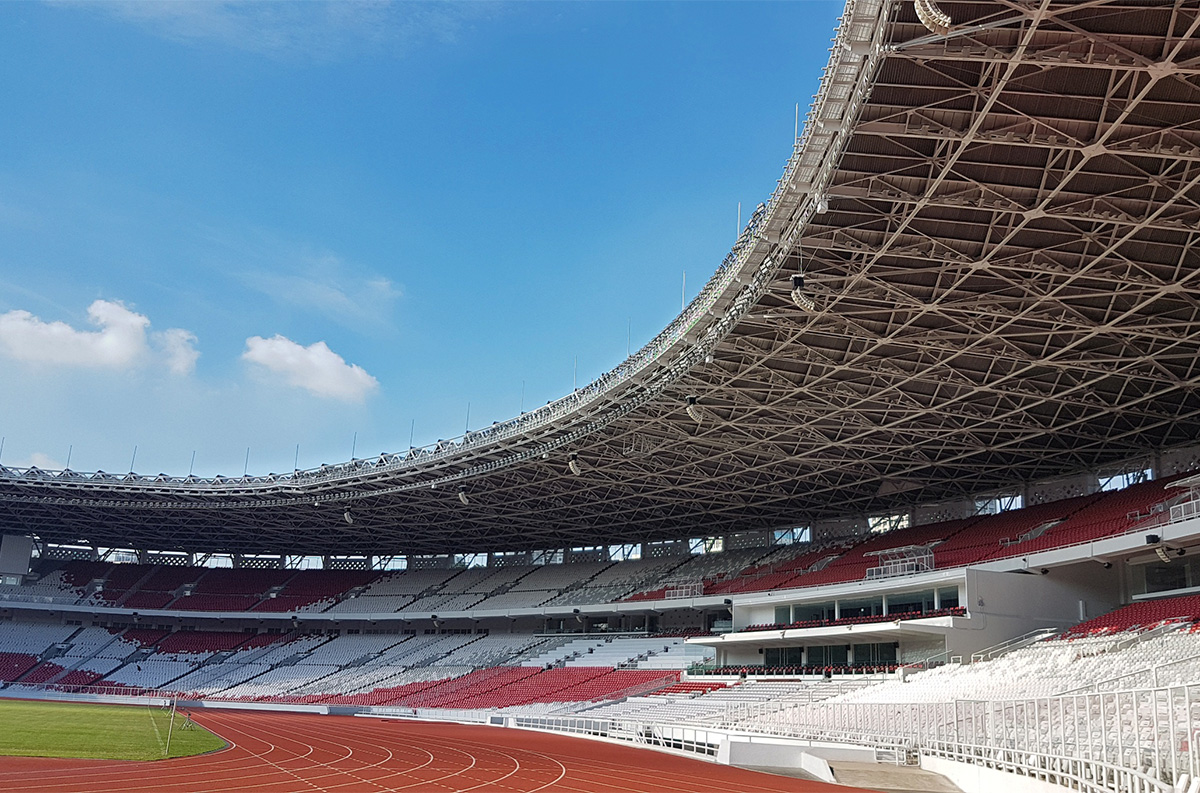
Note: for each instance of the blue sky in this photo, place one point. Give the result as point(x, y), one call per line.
point(267, 224)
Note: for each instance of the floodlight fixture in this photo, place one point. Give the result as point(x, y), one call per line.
point(799, 297)
point(574, 464)
point(462, 495)
point(346, 516)
point(694, 411)
point(932, 17)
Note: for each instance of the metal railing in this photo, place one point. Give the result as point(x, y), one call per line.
point(695, 740)
point(1143, 737)
point(1137, 741)
point(1024, 640)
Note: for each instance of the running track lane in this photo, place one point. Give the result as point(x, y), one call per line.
point(297, 753)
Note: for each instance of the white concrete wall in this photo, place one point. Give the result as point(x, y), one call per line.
point(977, 779)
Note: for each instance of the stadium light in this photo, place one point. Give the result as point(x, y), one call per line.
point(574, 464)
point(1164, 553)
point(462, 495)
point(346, 516)
point(802, 301)
point(696, 412)
point(932, 17)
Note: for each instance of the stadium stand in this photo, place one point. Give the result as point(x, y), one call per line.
point(952, 544)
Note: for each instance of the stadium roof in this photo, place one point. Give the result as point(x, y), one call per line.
point(996, 224)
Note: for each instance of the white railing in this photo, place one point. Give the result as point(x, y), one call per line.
point(676, 590)
point(1135, 741)
point(685, 738)
point(1100, 732)
point(1185, 511)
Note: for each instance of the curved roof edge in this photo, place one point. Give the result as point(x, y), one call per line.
point(727, 297)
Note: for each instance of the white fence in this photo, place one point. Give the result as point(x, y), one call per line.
point(694, 740)
point(1135, 741)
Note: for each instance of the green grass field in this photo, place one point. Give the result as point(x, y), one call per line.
point(112, 732)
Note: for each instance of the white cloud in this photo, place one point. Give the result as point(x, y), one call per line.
point(363, 302)
point(315, 368)
point(310, 31)
point(39, 460)
point(121, 341)
point(178, 348)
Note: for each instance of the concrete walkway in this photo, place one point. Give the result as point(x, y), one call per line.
point(877, 776)
point(891, 778)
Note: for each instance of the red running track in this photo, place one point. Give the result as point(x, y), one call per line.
point(275, 752)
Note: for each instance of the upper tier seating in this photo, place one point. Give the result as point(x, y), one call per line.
point(315, 590)
point(1113, 512)
point(1143, 614)
point(985, 538)
point(241, 581)
point(392, 591)
point(510, 587)
point(616, 581)
point(52, 587)
point(776, 573)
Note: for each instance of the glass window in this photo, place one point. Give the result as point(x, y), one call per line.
point(809, 612)
point(861, 608)
point(911, 602)
point(948, 597)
